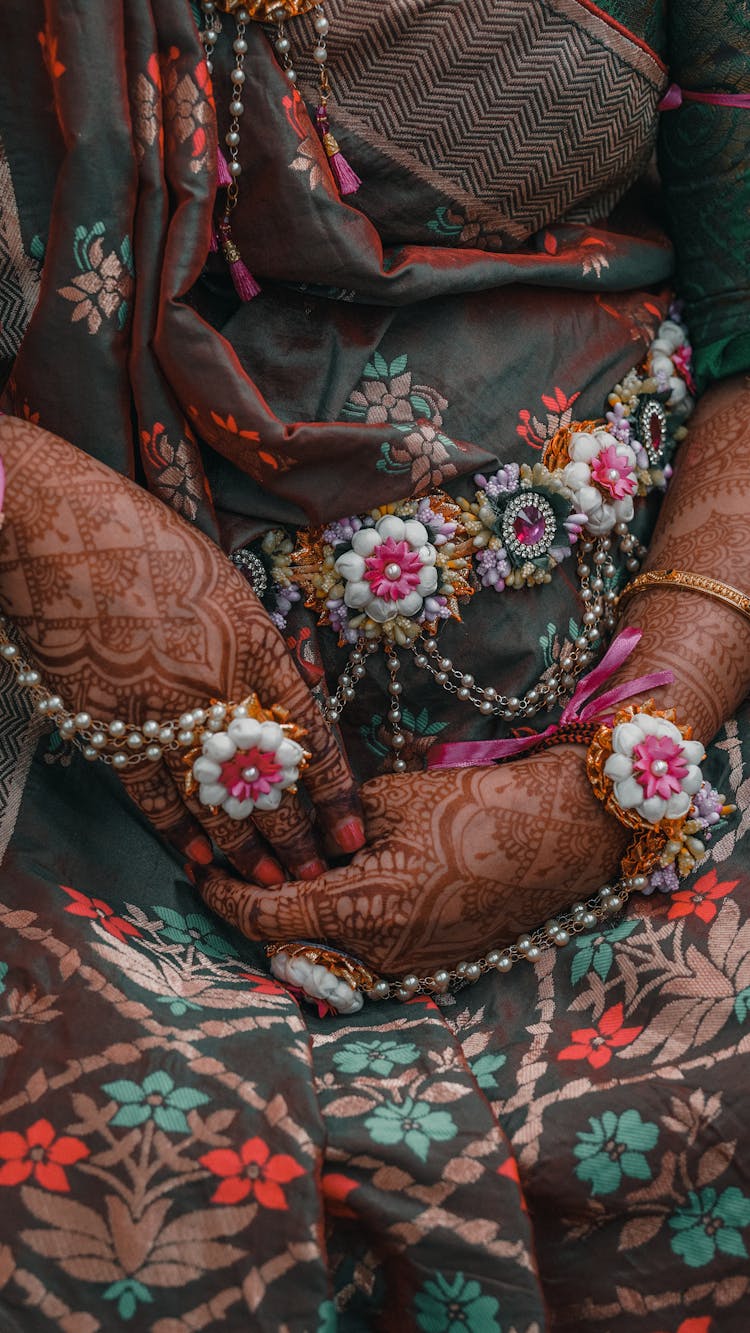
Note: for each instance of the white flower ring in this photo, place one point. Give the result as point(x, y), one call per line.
point(601, 477)
point(317, 982)
point(654, 770)
point(248, 765)
point(390, 569)
point(669, 356)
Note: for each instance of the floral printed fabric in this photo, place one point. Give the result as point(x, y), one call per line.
point(506, 1160)
point(182, 1147)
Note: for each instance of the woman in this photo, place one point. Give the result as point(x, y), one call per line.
point(413, 328)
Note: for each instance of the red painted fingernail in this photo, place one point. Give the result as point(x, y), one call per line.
point(269, 871)
point(311, 869)
point(350, 835)
point(200, 850)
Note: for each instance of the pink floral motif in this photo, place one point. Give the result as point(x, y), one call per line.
point(423, 451)
point(659, 766)
point(234, 774)
point(393, 570)
point(102, 291)
point(391, 400)
point(611, 472)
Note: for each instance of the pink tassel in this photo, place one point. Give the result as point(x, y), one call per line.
point(213, 240)
point(223, 177)
point(244, 283)
point(346, 178)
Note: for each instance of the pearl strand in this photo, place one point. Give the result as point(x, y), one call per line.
point(121, 744)
point(557, 932)
point(599, 603)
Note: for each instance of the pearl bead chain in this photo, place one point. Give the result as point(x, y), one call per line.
point(599, 603)
point(528, 948)
point(121, 744)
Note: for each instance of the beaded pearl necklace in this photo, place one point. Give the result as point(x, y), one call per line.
point(121, 744)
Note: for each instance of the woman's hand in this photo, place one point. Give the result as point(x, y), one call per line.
point(458, 861)
point(131, 613)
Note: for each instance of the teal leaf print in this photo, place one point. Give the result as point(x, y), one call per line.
point(455, 1306)
point(378, 1056)
point(596, 950)
point(386, 463)
point(421, 406)
point(327, 1317)
point(381, 365)
point(484, 1069)
point(127, 1292)
point(82, 239)
point(614, 1147)
point(708, 1222)
point(439, 223)
point(742, 1005)
point(398, 366)
point(177, 1005)
point(415, 1124)
point(3, 975)
point(38, 248)
point(157, 1099)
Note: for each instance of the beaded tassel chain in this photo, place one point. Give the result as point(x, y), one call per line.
point(229, 168)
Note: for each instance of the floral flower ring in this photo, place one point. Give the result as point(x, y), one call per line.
point(652, 764)
point(390, 569)
point(247, 758)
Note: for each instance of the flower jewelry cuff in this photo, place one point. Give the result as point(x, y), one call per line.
point(645, 769)
point(246, 758)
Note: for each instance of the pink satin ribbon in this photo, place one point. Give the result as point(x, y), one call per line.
point(470, 754)
point(675, 96)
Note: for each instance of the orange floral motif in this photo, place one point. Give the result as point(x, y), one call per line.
point(39, 1153)
point(701, 898)
point(596, 1044)
point(97, 910)
point(254, 1171)
point(49, 46)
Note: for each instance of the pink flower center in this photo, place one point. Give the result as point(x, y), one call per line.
point(250, 774)
point(659, 766)
point(393, 570)
point(611, 473)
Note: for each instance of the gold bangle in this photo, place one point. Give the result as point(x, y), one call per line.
point(679, 578)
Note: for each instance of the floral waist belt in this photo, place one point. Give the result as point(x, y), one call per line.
point(386, 580)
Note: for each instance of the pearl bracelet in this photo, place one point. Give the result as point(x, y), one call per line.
point(339, 983)
point(118, 743)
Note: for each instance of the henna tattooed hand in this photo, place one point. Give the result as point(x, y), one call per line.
point(458, 860)
point(132, 613)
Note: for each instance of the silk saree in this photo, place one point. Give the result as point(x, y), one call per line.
point(183, 1145)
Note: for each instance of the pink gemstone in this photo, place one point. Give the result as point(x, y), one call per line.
point(529, 525)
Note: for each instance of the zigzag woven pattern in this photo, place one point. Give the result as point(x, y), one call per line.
point(524, 111)
point(19, 275)
point(19, 732)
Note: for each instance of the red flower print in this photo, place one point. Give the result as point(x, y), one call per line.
point(39, 1153)
point(252, 1170)
point(596, 1044)
point(95, 909)
point(336, 1190)
point(700, 1325)
point(700, 900)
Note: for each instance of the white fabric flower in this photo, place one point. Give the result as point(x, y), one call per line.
point(587, 479)
point(317, 982)
point(390, 569)
point(669, 339)
point(655, 771)
point(247, 767)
